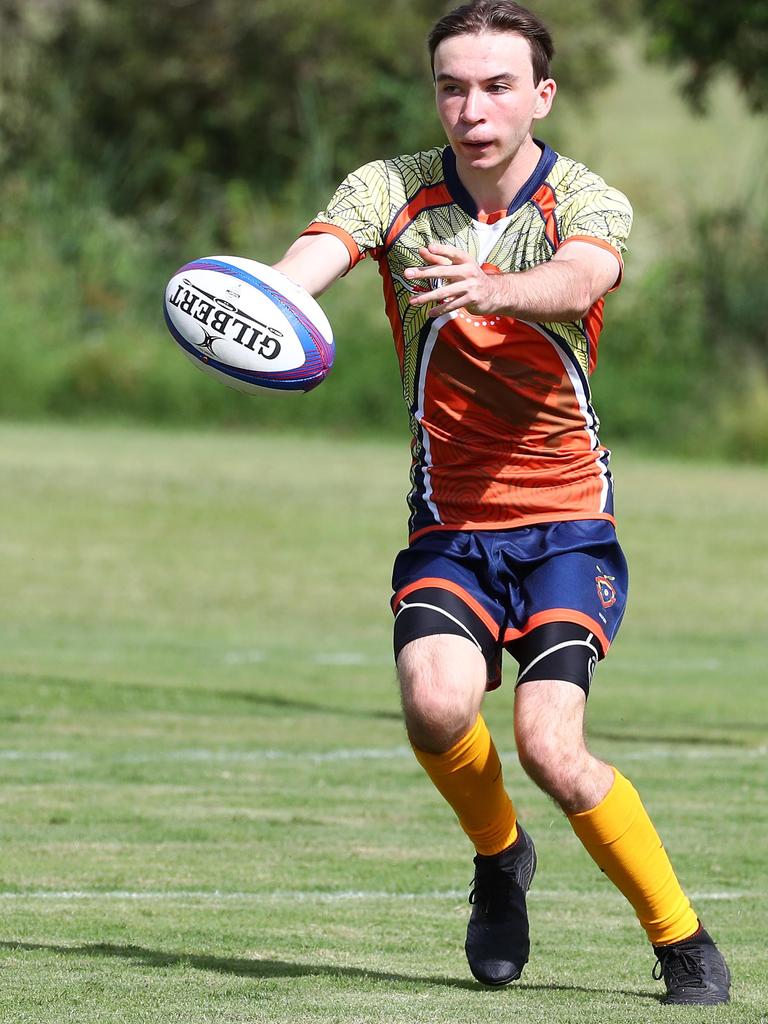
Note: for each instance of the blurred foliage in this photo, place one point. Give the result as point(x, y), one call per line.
point(133, 135)
point(683, 365)
point(688, 363)
point(168, 97)
point(709, 36)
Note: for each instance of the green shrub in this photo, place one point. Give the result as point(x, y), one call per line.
point(683, 365)
point(685, 350)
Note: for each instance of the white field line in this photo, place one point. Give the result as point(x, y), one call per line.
point(648, 666)
point(256, 656)
point(214, 756)
point(356, 659)
point(317, 896)
point(249, 656)
point(703, 753)
point(342, 754)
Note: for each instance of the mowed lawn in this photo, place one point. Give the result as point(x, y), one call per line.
point(209, 812)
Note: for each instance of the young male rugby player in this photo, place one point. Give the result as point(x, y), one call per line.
point(496, 254)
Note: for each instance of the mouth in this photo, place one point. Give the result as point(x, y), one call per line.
point(472, 146)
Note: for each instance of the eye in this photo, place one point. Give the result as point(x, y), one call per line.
point(450, 90)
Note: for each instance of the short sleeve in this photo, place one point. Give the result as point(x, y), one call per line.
point(357, 211)
point(600, 213)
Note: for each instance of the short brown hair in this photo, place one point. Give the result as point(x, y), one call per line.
point(496, 16)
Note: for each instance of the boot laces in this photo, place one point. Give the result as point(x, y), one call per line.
point(492, 890)
point(685, 967)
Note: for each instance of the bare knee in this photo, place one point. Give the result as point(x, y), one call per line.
point(547, 761)
point(442, 681)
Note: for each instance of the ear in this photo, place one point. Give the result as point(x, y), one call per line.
point(546, 90)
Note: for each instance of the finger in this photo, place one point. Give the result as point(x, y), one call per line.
point(433, 258)
point(417, 273)
point(439, 295)
point(450, 252)
point(445, 307)
point(423, 299)
point(424, 273)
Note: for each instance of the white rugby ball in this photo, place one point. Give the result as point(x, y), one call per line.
point(248, 325)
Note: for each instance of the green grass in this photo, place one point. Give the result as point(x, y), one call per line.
point(209, 812)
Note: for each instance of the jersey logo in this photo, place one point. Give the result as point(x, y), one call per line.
point(606, 590)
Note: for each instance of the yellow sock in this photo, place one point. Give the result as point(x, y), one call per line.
point(621, 839)
point(469, 777)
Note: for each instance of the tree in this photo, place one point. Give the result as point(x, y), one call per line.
point(161, 101)
point(709, 36)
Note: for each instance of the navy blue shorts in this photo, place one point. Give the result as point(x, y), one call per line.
point(498, 586)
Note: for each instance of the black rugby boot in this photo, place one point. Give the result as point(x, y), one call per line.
point(497, 943)
point(694, 972)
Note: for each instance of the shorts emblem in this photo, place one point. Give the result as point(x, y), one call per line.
point(606, 590)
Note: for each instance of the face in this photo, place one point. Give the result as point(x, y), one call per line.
point(487, 99)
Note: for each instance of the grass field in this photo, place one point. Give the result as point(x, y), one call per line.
point(209, 813)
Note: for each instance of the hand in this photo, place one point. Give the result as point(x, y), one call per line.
point(465, 284)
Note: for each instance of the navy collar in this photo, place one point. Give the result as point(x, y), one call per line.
point(462, 197)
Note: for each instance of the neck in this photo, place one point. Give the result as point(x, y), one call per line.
point(495, 188)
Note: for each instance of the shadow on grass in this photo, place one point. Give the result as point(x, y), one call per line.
point(267, 968)
point(700, 739)
point(289, 704)
point(121, 697)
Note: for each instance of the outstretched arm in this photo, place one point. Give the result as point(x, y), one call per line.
point(561, 290)
point(315, 262)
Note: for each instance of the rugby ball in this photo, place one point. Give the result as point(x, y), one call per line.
point(248, 325)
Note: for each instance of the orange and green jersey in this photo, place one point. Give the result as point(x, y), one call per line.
point(504, 433)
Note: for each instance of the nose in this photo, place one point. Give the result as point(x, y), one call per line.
point(472, 112)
